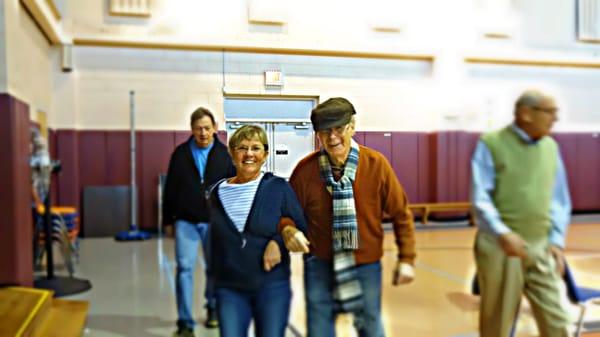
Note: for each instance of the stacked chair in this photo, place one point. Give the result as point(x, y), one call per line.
point(65, 231)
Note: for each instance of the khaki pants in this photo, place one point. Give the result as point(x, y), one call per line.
point(504, 279)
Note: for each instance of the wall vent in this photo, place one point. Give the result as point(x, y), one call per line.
point(588, 20)
point(133, 8)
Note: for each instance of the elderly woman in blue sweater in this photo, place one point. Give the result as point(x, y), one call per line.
point(249, 262)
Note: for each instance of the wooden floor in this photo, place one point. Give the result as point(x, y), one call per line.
point(439, 302)
point(133, 287)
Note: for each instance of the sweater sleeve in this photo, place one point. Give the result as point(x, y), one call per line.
point(292, 209)
point(291, 213)
point(295, 193)
point(483, 183)
point(560, 210)
point(396, 205)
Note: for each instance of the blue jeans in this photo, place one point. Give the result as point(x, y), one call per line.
point(318, 283)
point(187, 239)
point(269, 307)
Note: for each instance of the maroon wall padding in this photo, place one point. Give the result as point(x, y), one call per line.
point(587, 183)
point(67, 151)
point(102, 158)
point(359, 137)
point(92, 163)
point(466, 143)
point(181, 136)
point(567, 143)
point(118, 158)
point(425, 168)
point(432, 149)
point(16, 251)
point(92, 158)
point(380, 141)
point(155, 149)
point(432, 167)
point(450, 157)
point(405, 161)
point(439, 145)
point(581, 155)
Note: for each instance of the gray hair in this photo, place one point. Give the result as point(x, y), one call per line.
point(530, 98)
point(353, 122)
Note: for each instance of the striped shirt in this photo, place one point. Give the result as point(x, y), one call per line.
point(237, 200)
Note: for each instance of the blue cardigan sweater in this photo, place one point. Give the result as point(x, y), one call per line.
point(236, 260)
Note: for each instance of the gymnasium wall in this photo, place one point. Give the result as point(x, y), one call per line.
point(432, 167)
point(446, 90)
point(423, 113)
point(27, 59)
point(397, 95)
point(3, 69)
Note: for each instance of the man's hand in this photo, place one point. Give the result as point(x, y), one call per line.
point(272, 255)
point(404, 273)
point(513, 245)
point(294, 240)
point(559, 257)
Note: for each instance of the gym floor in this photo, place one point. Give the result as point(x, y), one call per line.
point(133, 290)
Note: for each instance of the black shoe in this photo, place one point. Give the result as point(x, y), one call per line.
point(184, 332)
point(211, 319)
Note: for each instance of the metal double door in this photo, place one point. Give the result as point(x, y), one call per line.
point(288, 143)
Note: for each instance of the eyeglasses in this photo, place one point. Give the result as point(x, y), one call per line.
point(246, 149)
point(552, 110)
point(202, 128)
point(338, 130)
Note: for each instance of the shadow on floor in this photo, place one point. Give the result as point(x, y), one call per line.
point(463, 301)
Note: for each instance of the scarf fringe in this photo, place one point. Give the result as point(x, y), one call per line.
point(345, 239)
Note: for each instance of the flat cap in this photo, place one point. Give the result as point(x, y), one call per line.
point(334, 112)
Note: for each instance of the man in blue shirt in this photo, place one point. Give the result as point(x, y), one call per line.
point(522, 205)
point(195, 165)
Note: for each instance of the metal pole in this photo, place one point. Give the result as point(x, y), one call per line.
point(132, 233)
point(48, 237)
point(132, 139)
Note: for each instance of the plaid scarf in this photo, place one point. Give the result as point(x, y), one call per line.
point(347, 289)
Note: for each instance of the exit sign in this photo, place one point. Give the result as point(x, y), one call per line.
point(273, 78)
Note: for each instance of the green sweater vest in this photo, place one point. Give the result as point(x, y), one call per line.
point(525, 178)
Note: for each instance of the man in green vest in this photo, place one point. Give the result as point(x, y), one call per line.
point(522, 206)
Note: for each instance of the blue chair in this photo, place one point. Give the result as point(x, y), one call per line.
point(580, 296)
